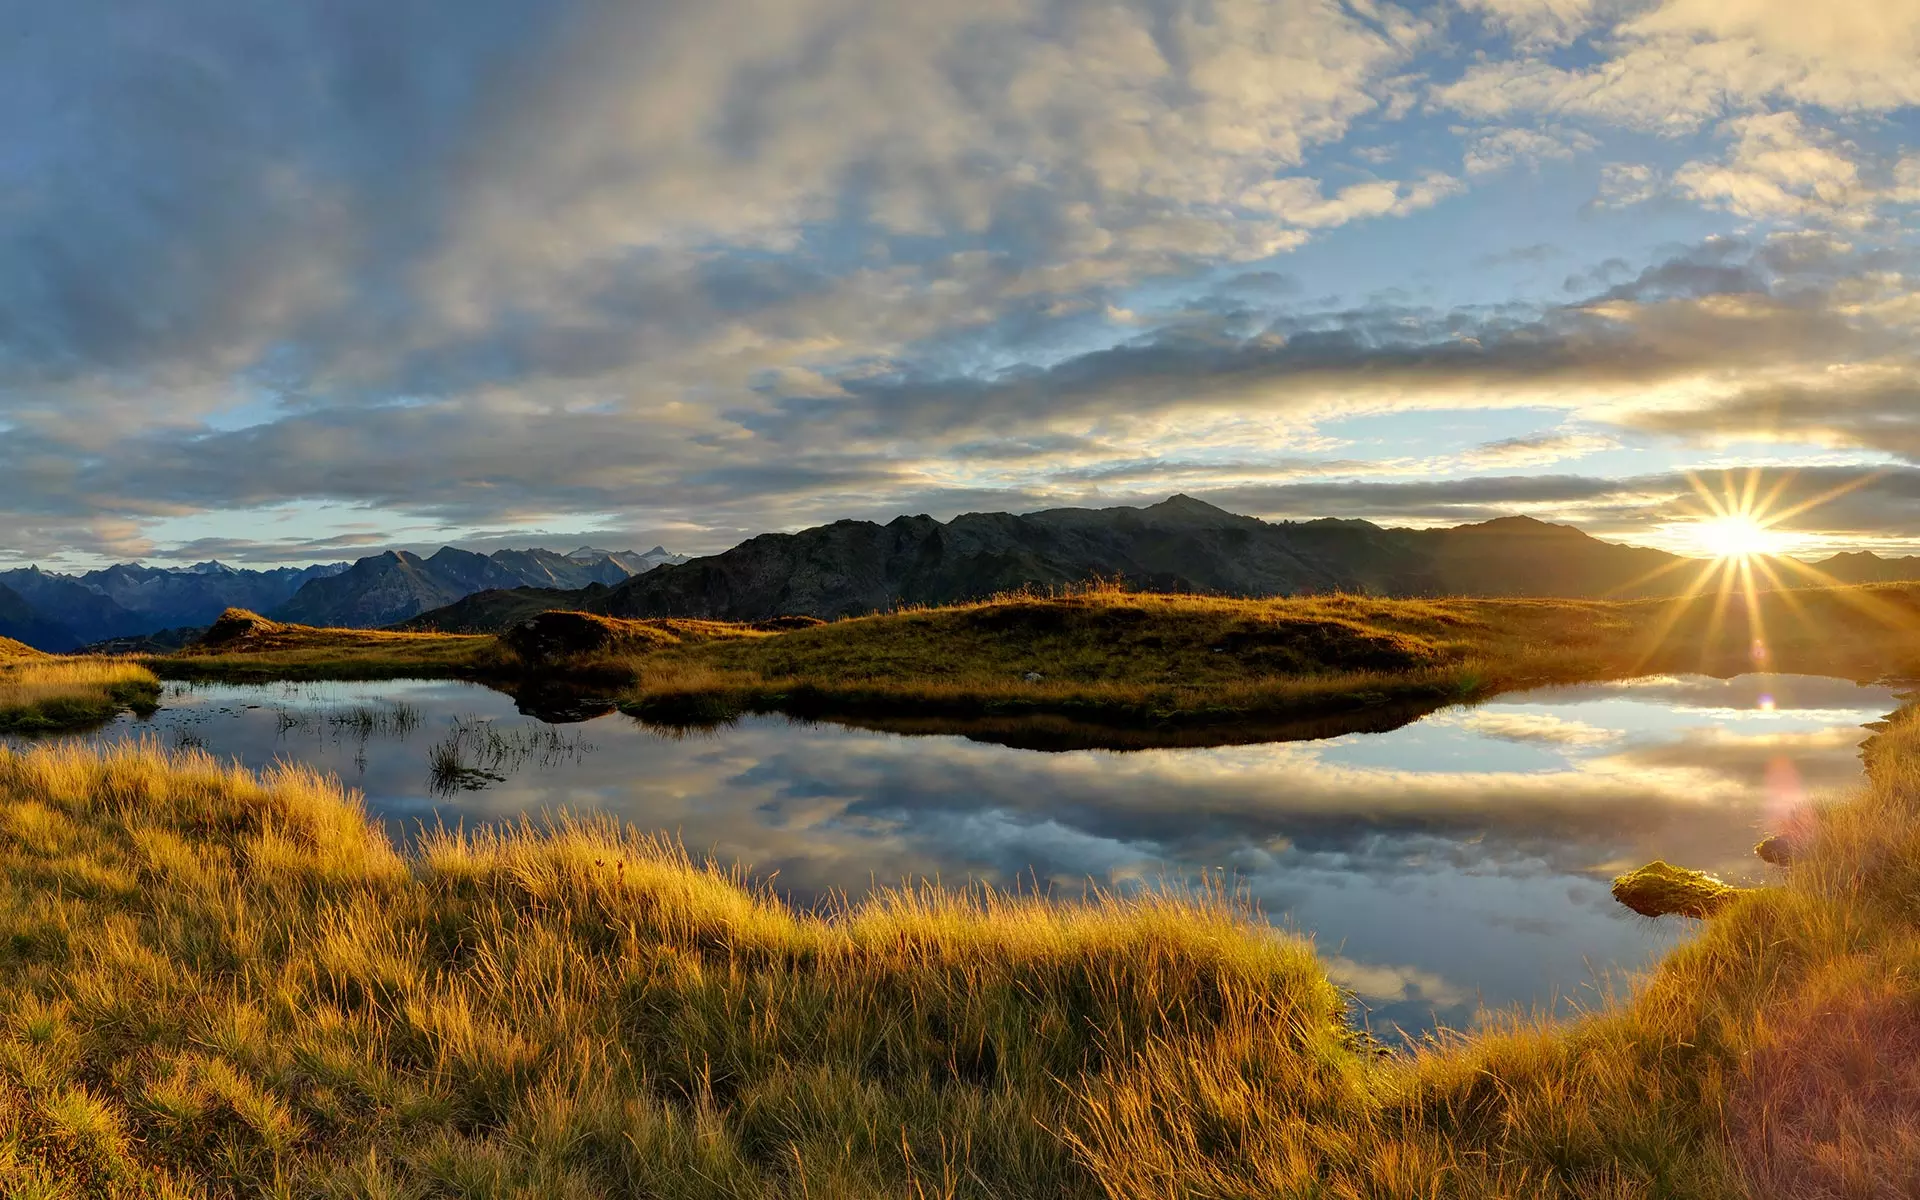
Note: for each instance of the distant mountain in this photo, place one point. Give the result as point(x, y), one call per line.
point(129, 600)
point(195, 595)
point(389, 588)
point(132, 606)
point(1864, 566)
point(63, 601)
point(1180, 544)
point(500, 608)
point(22, 622)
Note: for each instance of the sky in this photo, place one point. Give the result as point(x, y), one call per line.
point(298, 282)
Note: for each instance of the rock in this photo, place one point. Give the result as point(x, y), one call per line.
point(237, 627)
point(1661, 889)
point(786, 624)
point(1033, 677)
point(1777, 850)
point(562, 634)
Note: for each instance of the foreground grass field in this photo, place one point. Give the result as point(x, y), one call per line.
point(217, 984)
point(40, 693)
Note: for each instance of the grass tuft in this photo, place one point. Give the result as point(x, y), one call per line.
point(41, 693)
point(221, 983)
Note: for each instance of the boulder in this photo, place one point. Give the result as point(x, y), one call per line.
point(1661, 889)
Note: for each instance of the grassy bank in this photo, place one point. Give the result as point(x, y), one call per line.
point(1139, 660)
point(217, 984)
point(244, 647)
point(40, 693)
point(1105, 666)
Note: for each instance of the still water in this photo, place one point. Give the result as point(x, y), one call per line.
point(1457, 864)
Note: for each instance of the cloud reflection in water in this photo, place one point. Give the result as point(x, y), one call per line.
point(1461, 860)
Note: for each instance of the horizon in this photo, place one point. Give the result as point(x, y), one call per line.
point(428, 550)
point(288, 288)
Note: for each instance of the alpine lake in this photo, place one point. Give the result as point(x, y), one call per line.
point(1453, 865)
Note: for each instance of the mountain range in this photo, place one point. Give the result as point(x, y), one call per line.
point(853, 567)
point(62, 612)
point(129, 602)
point(391, 587)
point(1181, 544)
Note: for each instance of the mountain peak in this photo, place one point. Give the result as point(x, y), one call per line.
point(1180, 502)
point(1523, 524)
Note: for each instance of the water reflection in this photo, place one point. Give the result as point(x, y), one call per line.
point(1459, 860)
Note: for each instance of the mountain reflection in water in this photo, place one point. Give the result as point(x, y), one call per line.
point(1457, 861)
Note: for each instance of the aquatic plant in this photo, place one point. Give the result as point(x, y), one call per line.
point(395, 719)
point(476, 752)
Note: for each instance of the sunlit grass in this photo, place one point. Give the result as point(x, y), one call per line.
point(1154, 666)
point(45, 693)
point(218, 983)
point(243, 646)
point(1174, 660)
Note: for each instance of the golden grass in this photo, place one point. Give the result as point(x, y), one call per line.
point(1170, 661)
point(216, 983)
point(1103, 657)
point(243, 646)
point(12, 651)
point(44, 693)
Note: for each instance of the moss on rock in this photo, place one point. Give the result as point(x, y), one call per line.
point(1661, 889)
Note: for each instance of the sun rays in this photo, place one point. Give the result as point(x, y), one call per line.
point(1742, 532)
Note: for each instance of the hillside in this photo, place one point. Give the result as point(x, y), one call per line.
point(15, 651)
point(241, 645)
point(1864, 566)
point(500, 608)
point(1178, 545)
point(851, 568)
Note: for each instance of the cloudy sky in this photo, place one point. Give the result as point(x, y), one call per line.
point(287, 282)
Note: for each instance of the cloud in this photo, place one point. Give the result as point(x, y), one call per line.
point(1498, 149)
point(1683, 63)
point(1775, 169)
point(1534, 23)
point(715, 268)
point(1534, 450)
point(1543, 728)
point(1625, 184)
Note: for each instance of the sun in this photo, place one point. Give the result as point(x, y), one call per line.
point(1736, 535)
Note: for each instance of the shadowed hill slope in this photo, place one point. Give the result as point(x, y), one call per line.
point(21, 622)
point(851, 568)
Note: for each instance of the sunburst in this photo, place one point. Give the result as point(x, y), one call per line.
point(1740, 531)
